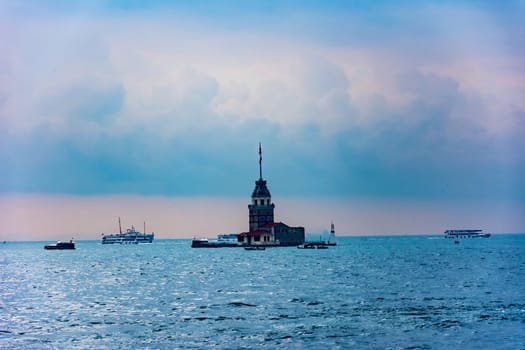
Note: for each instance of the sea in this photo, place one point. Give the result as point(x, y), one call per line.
point(389, 292)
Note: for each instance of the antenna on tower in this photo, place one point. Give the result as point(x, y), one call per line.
point(260, 161)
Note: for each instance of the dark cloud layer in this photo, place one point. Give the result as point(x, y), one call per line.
point(420, 160)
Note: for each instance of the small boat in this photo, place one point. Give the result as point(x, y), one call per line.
point(61, 246)
point(254, 247)
point(322, 246)
point(201, 243)
point(306, 245)
point(456, 242)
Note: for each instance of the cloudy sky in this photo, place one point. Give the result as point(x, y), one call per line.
point(387, 117)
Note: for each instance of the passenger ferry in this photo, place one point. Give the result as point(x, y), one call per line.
point(131, 236)
point(466, 234)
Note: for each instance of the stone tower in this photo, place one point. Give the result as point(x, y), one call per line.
point(261, 208)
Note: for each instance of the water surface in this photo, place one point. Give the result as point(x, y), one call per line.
point(368, 292)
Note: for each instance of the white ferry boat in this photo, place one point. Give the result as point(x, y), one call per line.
point(131, 236)
point(466, 234)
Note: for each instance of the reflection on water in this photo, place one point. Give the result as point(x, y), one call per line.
point(367, 292)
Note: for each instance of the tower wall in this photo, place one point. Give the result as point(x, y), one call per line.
point(260, 215)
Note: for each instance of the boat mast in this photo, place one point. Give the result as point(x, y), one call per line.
point(119, 226)
point(144, 227)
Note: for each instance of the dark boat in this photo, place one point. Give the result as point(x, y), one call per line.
point(203, 243)
point(61, 246)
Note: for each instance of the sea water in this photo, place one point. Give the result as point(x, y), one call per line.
point(417, 292)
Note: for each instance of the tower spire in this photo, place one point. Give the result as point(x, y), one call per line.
point(260, 161)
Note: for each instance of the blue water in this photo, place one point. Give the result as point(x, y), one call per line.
point(367, 292)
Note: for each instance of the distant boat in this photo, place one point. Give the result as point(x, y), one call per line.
point(131, 236)
point(61, 246)
point(313, 245)
point(254, 247)
point(306, 245)
point(466, 234)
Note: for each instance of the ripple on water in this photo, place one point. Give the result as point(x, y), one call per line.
point(365, 293)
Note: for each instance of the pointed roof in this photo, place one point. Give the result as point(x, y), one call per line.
point(260, 185)
point(260, 189)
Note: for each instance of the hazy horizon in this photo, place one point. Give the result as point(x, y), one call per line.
point(31, 217)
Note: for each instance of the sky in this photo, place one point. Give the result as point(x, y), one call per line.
point(387, 117)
